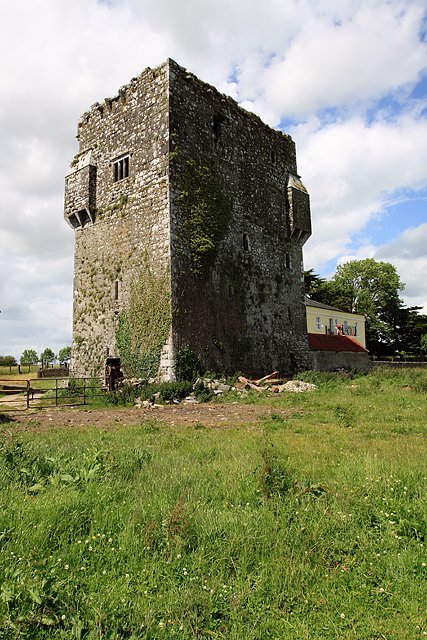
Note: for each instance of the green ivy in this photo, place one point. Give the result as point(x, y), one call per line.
point(206, 213)
point(143, 327)
point(187, 365)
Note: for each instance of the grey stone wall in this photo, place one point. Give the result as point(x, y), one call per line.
point(331, 360)
point(398, 365)
point(245, 311)
point(130, 220)
point(213, 202)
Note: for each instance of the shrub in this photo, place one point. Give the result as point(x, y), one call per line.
point(276, 480)
point(168, 391)
point(187, 365)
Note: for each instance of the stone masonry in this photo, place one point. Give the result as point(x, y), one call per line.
point(189, 219)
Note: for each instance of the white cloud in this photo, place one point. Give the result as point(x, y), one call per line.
point(347, 62)
point(408, 254)
point(353, 171)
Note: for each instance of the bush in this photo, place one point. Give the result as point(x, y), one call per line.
point(124, 395)
point(187, 365)
point(168, 391)
point(275, 477)
point(202, 393)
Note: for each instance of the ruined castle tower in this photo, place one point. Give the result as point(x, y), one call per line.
point(189, 220)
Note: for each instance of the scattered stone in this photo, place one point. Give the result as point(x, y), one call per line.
point(218, 387)
point(223, 387)
point(271, 383)
point(133, 382)
point(296, 386)
point(142, 404)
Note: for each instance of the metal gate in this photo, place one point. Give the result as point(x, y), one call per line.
point(44, 393)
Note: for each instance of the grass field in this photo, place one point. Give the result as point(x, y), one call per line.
point(310, 523)
point(27, 372)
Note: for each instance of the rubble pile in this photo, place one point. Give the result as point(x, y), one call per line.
point(216, 387)
point(276, 385)
point(295, 386)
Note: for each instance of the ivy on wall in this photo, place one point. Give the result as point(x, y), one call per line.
point(187, 365)
point(143, 327)
point(206, 214)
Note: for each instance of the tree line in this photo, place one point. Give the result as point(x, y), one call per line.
point(30, 357)
point(372, 288)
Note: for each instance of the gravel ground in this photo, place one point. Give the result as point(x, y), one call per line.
point(212, 414)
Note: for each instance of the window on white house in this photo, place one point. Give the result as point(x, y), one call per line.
point(333, 324)
point(318, 323)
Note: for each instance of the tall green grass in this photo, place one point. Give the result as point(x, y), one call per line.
point(309, 523)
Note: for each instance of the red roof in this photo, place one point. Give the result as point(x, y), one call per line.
point(325, 342)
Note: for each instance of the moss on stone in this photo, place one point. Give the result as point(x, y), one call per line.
point(143, 327)
point(206, 211)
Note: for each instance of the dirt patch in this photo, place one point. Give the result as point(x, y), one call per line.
point(214, 415)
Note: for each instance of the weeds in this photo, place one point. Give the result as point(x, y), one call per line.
point(163, 393)
point(167, 391)
point(345, 415)
point(152, 532)
point(275, 477)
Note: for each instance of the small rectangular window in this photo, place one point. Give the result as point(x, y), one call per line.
point(217, 127)
point(245, 242)
point(318, 323)
point(121, 168)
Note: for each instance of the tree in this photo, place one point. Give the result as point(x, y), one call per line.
point(64, 354)
point(8, 361)
point(424, 343)
point(47, 357)
point(29, 357)
point(372, 288)
point(369, 288)
point(313, 283)
point(412, 327)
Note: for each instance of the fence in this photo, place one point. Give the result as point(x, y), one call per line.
point(42, 393)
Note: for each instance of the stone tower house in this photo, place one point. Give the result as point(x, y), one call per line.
point(189, 220)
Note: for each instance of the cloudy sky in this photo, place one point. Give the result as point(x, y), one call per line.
point(346, 78)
